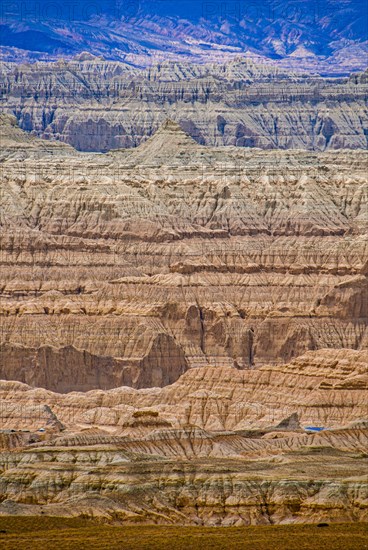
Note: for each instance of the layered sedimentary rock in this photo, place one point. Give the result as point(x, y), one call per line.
point(211, 303)
point(214, 448)
point(132, 267)
point(97, 105)
point(320, 388)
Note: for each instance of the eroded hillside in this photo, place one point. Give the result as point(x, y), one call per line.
point(130, 268)
point(183, 332)
point(97, 105)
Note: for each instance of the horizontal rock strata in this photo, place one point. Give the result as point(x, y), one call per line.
point(97, 105)
point(214, 448)
point(183, 332)
point(138, 265)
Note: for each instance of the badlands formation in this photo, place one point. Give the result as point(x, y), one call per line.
point(173, 318)
point(97, 105)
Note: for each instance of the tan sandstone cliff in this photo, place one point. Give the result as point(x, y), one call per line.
point(173, 320)
point(130, 268)
point(218, 447)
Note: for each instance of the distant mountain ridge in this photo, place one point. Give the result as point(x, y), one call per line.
point(96, 105)
point(328, 37)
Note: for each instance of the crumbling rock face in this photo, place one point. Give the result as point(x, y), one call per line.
point(218, 447)
point(97, 105)
point(132, 267)
point(183, 332)
point(69, 369)
point(324, 388)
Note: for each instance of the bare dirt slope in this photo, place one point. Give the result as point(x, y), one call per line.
point(132, 267)
point(177, 323)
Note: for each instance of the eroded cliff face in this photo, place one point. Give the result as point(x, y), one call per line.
point(211, 303)
point(97, 105)
point(218, 447)
point(130, 268)
point(320, 388)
